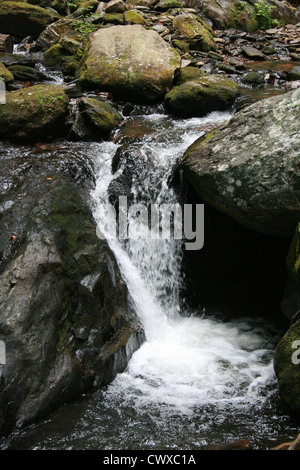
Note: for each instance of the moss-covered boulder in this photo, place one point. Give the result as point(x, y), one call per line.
point(94, 119)
point(22, 19)
point(129, 61)
point(194, 31)
point(134, 17)
point(200, 97)
point(5, 75)
point(248, 168)
point(187, 74)
point(164, 5)
point(27, 74)
point(33, 113)
point(64, 29)
point(113, 18)
point(291, 299)
point(101, 114)
point(287, 368)
point(8, 60)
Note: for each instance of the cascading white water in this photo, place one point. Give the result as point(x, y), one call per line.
point(187, 360)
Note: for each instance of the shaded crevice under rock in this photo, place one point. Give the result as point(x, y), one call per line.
point(238, 271)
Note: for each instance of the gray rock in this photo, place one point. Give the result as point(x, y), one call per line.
point(65, 314)
point(249, 167)
point(130, 62)
point(253, 53)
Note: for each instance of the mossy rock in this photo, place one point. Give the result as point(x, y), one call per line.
point(100, 114)
point(194, 31)
point(114, 18)
point(54, 55)
point(181, 45)
point(186, 74)
point(85, 8)
point(33, 113)
point(69, 65)
point(129, 61)
point(287, 368)
point(202, 96)
point(134, 17)
point(291, 299)
point(164, 5)
point(5, 75)
point(27, 74)
point(22, 19)
point(54, 33)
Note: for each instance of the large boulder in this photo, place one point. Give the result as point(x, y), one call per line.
point(22, 19)
point(33, 113)
point(249, 168)
point(130, 62)
point(199, 97)
point(66, 317)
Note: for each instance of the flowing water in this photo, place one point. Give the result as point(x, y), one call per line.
point(199, 378)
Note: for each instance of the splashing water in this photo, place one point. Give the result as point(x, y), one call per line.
point(187, 360)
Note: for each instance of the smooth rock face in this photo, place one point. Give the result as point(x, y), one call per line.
point(249, 167)
point(130, 62)
point(65, 313)
point(21, 19)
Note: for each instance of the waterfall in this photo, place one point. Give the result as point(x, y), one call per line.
point(187, 360)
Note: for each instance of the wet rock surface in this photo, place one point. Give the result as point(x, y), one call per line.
point(66, 317)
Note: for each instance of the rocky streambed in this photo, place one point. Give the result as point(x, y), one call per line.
point(81, 77)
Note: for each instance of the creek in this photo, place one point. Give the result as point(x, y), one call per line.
point(201, 377)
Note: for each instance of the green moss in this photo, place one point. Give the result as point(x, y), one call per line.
point(133, 17)
point(187, 74)
point(194, 31)
point(5, 74)
point(54, 55)
point(21, 19)
point(114, 18)
point(33, 112)
point(182, 46)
